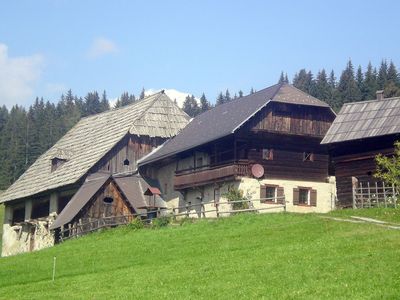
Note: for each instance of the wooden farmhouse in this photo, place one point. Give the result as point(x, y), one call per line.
point(358, 134)
point(89, 174)
point(266, 144)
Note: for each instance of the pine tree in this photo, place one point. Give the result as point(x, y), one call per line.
point(142, 94)
point(227, 96)
point(104, 104)
point(370, 83)
point(240, 93)
point(360, 82)
point(322, 88)
point(204, 104)
point(92, 104)
point(304, 81)
point(347, 87)
point(281, 78)
point(190, 106)
point(392, 88)
point(220, 99)
point(252, 91)
point(382, 75)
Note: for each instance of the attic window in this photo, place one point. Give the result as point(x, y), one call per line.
point(308, 156)
point(126, 162)
point(56, 163)
point(108, 200)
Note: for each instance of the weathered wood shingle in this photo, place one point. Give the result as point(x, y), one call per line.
point(365, 119)
point(92, 137)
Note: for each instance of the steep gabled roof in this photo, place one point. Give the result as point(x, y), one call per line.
point(365, 119)
point(92, 137)
point(225, 119)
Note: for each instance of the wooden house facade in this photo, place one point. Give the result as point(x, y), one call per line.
point(360, 132)
point(277, 131)
point(88, 174)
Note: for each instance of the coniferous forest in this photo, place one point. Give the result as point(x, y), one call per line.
point(26, 133)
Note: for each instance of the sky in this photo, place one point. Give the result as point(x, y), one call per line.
point(48, 47)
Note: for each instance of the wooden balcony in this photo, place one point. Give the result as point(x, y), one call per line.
point(210, 174)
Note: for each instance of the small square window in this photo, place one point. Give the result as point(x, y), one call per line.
point(268, 154)
point(304, 196)
point(270, 193)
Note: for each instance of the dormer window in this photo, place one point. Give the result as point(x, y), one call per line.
point(56, 163)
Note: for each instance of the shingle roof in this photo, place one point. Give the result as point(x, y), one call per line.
point(92, 137)
point(225, 119)
point(365, 119)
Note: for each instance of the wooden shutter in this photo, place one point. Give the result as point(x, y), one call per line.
point(313, 197)
point(263, 193)
point(280, 193)
point(296, 196)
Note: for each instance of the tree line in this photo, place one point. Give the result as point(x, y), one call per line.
point(27, 133)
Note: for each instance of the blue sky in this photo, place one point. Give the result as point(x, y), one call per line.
point(47, 47)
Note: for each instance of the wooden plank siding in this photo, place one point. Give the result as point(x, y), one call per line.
point(97, 208)
point(290, 165)
point(132, 148)
point(360, 165)
point(292, 119)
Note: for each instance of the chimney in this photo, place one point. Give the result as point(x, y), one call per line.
point(380, 95)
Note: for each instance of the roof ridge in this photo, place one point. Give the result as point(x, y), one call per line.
point(369, 101)
point(136, 102)
point(304, 93)
point(148, 107)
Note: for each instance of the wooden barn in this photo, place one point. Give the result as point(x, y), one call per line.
point(89, 174)
point(361, 131)
point(276, 132)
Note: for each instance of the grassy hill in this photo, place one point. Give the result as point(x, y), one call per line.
point(284, 256)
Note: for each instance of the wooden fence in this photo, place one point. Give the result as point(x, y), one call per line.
point(376, 194)
point(212, 209)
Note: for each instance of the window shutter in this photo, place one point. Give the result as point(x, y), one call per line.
point(280, 194)
point(313, 197)
point(296, 196)
point(263, 193)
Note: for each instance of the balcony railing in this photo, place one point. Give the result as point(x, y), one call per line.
point(208, 174)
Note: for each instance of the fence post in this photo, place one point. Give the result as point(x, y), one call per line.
point(394, 196)
point(362, 194)
point(384, 193)
point(369, 194)
point(187, 210)
point(354, 195)
point(376, 194)
point(216, 209)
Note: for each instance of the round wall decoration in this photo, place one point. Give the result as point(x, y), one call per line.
point(257, 170)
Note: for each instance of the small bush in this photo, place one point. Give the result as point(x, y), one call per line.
point(186, 220)
point(162, 221)
point(136, 224)
point(235, 194)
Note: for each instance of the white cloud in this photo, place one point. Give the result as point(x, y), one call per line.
point(173, 94)
point(18, 76)
point(100, 47)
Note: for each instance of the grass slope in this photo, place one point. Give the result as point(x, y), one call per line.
point(284, 256)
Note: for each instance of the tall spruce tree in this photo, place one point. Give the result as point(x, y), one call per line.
point(370, 83)
point(382, 75)
point(204, 104)
point(347, 87)
point(220, 99)
point(190, 106)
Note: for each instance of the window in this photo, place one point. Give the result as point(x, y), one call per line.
point(268, 154)
point(18, 215)
point(305, 196)
point(308, 156)
point(126, 162)
point(40, 209)
point(108, 200)
point(271, 194)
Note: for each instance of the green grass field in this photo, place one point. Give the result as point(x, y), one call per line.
point(272, 256)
